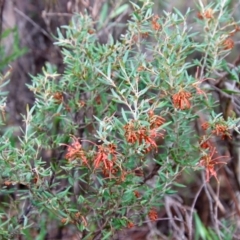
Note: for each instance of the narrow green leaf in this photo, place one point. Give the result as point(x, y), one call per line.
point(124, 115)
point(119, 10)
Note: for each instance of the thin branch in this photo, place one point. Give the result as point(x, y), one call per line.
point(33, 23)
point(190, 224)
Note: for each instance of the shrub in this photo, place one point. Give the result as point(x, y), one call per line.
point(107, 140)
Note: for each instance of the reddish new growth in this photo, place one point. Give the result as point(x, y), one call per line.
point(222, 131)
point(75, 151)
point(208, 162)
point(152, 214)
point(106, 158)
point(181, 100)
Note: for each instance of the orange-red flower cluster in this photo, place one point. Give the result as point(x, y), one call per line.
point(205, 144)
point(205, 125)
point(106, 158)
point(137, 194)
point(75, 151)
point(64, 220)
point(211, 158)
point(91, 31)
point(140, 68)
point(197, 86)
point(181, 100)
point(58, 97)
point(155, 120)
point(144, 34)
point(155, 25)
point(130, 133)
point(222, 131)
point(148, 137)
point(152, 214)
point(130, 225)
point(208, 14)
point(236, 29)
point(228, 44)
point(208, 161)
point(134, 133)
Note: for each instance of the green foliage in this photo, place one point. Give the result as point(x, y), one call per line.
point(208, 234)
point(16, 51)
point(137, 97)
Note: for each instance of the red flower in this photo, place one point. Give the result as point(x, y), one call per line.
point(197, 86)
point(155, 25)
point(222, 131)
point(136, 133)
point(228, 44)
point(75, 151)
point(153, 215)
point(137, 194)
point(208, 14)
point(205, 125)
point(149, 138)
point(208, 162)
point(58, 97)
point(181, 100)
point(106, 157)
point(130, 225)
point(205, 144)
point(155, 120)
point(130, 133)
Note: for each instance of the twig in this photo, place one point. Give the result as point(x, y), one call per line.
point(216, 199)
point(216, 213)
point(209, 198)
point(53, 14)
point(2, 2)
point(33, 23)
point(192, 210)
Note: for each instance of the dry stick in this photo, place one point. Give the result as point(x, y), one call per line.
point(96, 8)
point(170, 202)
point(179, 210)
point(209, 199)
point(192, 210)
point(164, 219)
point(232, 167)
point(2, 2)
point(54, 14)
point(233, 196)
point(216, 199)
point(33, 23)
point(216, 212)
